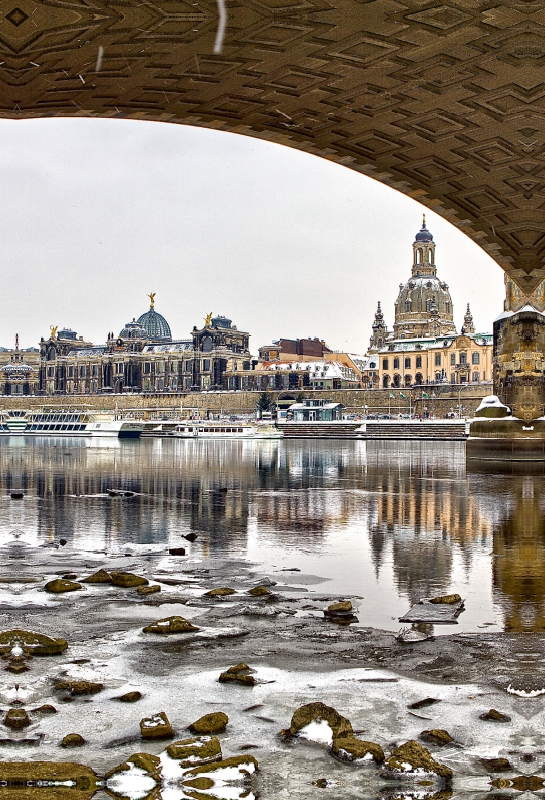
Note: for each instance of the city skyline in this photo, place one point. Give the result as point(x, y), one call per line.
point(284, 243)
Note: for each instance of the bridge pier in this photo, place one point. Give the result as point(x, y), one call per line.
point(513, 428)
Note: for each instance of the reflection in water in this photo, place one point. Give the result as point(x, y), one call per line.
point(389, 521)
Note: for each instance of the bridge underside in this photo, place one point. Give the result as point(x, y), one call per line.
point(444, 102)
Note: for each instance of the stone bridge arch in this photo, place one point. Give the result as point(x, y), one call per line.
point(442, 101)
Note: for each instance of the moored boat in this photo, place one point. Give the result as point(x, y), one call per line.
point(223, 430)
point(67, 422)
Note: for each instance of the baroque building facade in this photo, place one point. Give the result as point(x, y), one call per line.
point(424, 346)
point(143, 358)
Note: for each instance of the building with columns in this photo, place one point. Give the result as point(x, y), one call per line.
point(424, 346)
point(143, 358)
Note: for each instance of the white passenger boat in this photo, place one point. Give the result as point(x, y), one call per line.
point(222, 430)
point(67, 422)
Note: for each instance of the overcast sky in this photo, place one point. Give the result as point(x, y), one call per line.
point(98, 213)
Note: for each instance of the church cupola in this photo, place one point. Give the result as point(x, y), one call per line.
point(424, 252)
point(468, 326)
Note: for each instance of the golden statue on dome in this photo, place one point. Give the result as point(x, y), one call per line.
point(208, 320)
point(151, 299)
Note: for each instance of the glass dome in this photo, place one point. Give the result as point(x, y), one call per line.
point(156, 326)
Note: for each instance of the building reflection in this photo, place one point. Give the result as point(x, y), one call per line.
point(414, 510)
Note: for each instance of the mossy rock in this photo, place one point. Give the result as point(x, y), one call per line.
point(349, 748)
point(446, 599)
point(76, 688)
point(152, 588)
point(496, 764)
point(318, 712)
point(36, 644)
point(495, 716)
point(260, 591)
point(45, 709)
point(156, 727)
point(59, 585)
point(199, 783)
point(411, 758)
point(130, 697)
point(238, 674)
point(244, 680)
point(21, 773)
point(73, 740)
point(242, 667)
point(170, 625)
point(233, 761)
point(216, 722)
point(16, 719)
point(98, 577)
point(343, 606)
point(436, 736)
point(196, 751)
point(127, 580)
point(148, 762)
point(221, 591)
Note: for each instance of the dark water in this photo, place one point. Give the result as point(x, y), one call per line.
point(390, 522)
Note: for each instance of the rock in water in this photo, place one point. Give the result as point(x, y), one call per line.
point(245, 764)
point(259, 591)
point(221, 591)
point(446, 599)
point(343, 606)
point(151, 589)
point(129, 697)
point(349, 748)
point(60, 585)
point(16, 719)
point(496, 764)
point(75, 687)
point(144, 761)
point(319, 712)
point(436, 736)
point(35, 644)
point(73, 740)
point(495, 716)
point(240, 673)
point(196, 751)
point(170, 625)
point(216, 722)
point(191, 537)
point(98, 577)
point(128, 580)
point(176, 551)
point(411, 760)
point(156, 727)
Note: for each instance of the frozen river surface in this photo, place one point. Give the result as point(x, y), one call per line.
point(383, 523)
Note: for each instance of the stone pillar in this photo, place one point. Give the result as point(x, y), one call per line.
point(519, 362)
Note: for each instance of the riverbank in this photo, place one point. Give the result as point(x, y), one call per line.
point(296, 656)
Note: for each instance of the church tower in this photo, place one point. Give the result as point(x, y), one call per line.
point(468, 326)
point(380, 331)
point(424, 306)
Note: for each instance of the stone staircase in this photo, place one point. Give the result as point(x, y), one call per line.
point(319, 430)
point(454, 431)
point(416, 431)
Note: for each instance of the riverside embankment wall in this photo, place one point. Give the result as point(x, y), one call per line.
point(441, 400)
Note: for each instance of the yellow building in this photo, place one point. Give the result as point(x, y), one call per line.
point(424, 346)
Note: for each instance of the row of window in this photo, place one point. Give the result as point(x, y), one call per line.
point(396, 381)
point(475, 359)
point(430, 305)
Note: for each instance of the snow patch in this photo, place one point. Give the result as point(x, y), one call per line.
point(317, 732)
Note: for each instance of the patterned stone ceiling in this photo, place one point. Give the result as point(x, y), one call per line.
point(445, 102)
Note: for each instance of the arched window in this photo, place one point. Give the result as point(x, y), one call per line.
point(407, 363)
point(408, 380)
point(418, 361)
point(429, 305)
point(432, 257)
point(384, 363)
point(418, 378)
point(419, 255)
point(397, 381)
point(385, 381)
point(396, 363)
point(408, 305)
point(437, 377)
point(447, 305)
